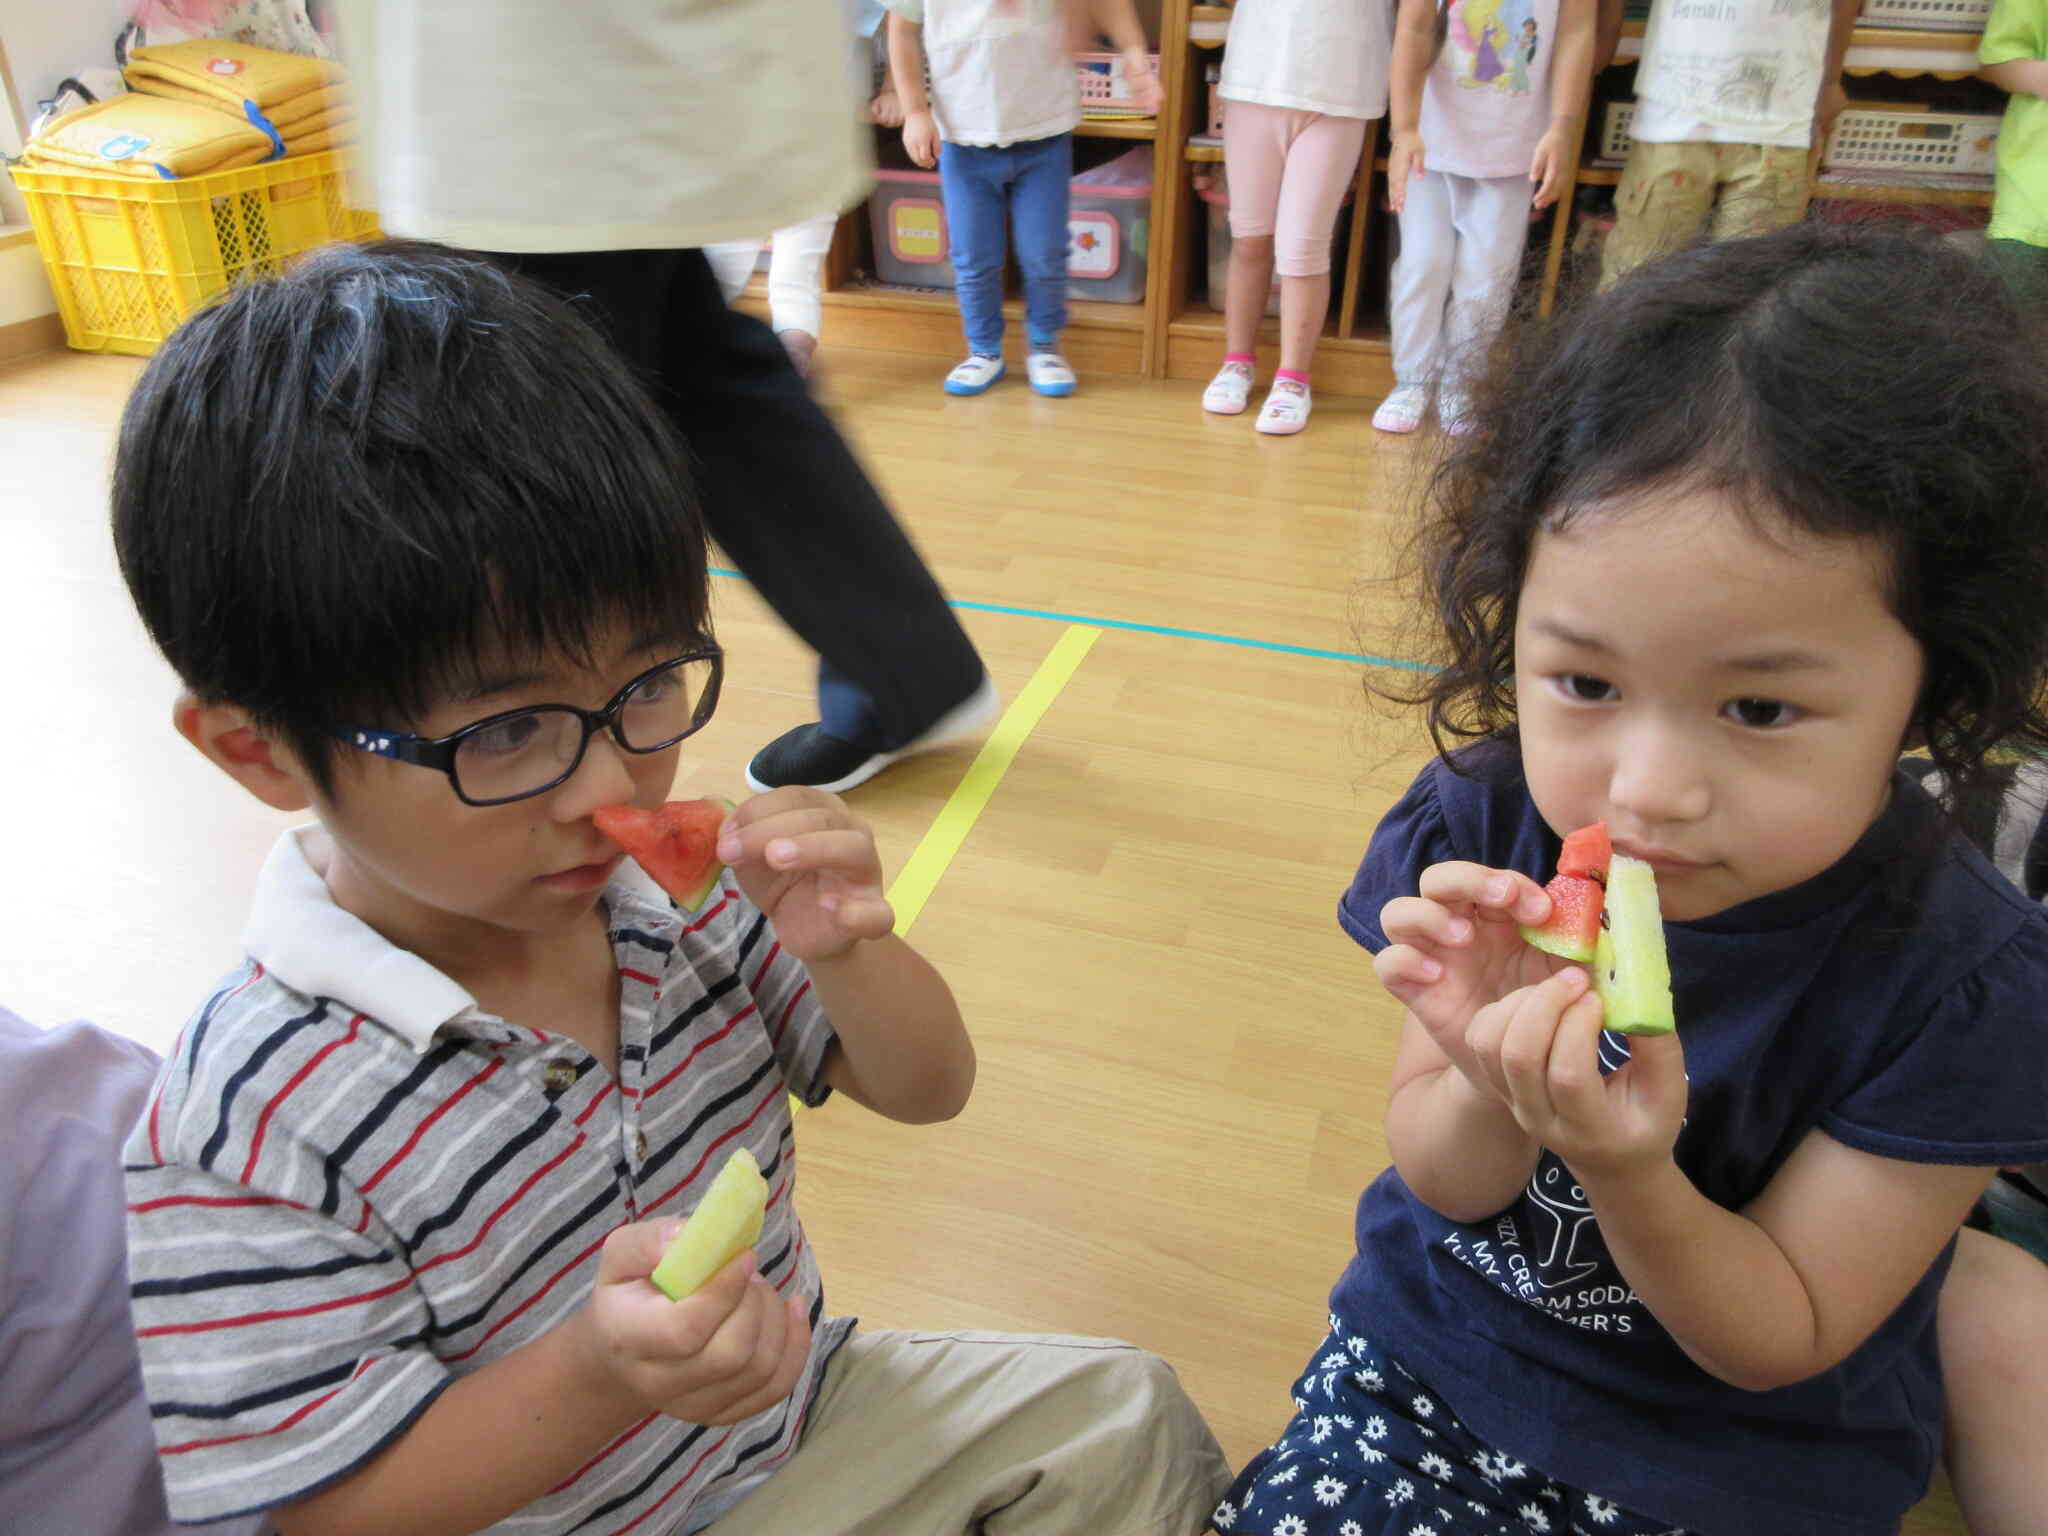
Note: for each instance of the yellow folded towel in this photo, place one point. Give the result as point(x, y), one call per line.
point(233, 74)
point(329, 134)
point(149, 138)
point(280, 115)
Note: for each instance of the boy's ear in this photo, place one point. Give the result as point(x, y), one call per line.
point(252, 757)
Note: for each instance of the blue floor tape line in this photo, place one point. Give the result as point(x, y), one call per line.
point(1393, 663)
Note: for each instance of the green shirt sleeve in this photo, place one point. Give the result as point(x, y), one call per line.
point(2018, 29)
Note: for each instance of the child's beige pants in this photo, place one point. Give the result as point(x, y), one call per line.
point(1670, 194)
point(959, 1434)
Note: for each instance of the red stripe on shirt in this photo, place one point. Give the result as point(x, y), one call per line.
point(775, 1092)
point(292, 1086)
point(278, 1428)
point(248, 1319)
point(773, 950)
point(144, 1207)
point(688, 1477)
point(577, 1476)
point(640, 976)
point(724, 901)
point(591, 1108)
point(575, 1263)
point(363, 1221)
point(695, 1050)
point(775, 1035)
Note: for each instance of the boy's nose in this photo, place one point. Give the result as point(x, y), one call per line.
point(602, 778)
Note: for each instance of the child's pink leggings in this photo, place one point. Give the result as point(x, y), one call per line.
point(1288, 172)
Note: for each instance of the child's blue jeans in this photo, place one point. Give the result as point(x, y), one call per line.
point(1027, 183)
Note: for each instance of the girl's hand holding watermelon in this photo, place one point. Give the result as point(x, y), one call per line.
point(810, 864)
point(1457, 947)
point(1539, 1050)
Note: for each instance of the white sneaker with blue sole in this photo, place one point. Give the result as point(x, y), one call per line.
point(975, 375)
point(1049, 374)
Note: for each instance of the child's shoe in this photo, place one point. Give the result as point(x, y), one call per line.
point(1230, 391)
point(1454, 412)
point(1286, 408)
point(974, 375)
point(1049, 374)
point(1402, 410)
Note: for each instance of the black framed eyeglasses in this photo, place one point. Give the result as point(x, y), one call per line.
point(526, 752)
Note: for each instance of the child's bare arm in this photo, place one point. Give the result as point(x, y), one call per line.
point(1118, 21)
point(1414, 53)
point(501, 1437)
point(1610, 15)
point(1571, 85)
point(1763, 1297)
point(810, 864)
point(2019, 77)
point(1789, 1286)
point(903, 1049)
point(906, 71)
point(1454, 951)
point(1457, 1147)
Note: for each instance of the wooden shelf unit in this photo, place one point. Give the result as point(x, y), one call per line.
point(1172, 334)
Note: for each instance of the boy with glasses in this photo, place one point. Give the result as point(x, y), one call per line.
point(426, 560)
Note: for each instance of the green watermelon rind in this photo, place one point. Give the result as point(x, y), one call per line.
point(1551, 944)
point(694, 900)
point(1631, 970)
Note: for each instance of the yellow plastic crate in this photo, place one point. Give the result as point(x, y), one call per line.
point(130, 259)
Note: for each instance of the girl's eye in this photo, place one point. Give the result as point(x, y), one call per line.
point(1585, 688)
point(1760, 714)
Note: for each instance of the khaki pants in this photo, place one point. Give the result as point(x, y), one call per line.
point(946, 1434)
point(1671, 193)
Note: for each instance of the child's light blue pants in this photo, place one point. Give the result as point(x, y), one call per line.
point(1024, 185)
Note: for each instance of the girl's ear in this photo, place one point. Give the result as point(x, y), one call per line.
point(249, 755)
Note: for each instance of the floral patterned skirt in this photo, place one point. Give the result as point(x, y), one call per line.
point(1372, 1452)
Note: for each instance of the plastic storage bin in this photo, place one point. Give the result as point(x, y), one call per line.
point(1866, 139)
point(907, 213)
point(1103, 86)
point(1109, 220)
point(1934, 15)
point(130, 259)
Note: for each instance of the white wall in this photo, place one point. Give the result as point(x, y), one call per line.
point(45, 41)
point(24, 288)
point(49, 39)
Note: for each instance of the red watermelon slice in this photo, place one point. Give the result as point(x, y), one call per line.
point(1587, 853)
point(1577, 895)
point(676, 843)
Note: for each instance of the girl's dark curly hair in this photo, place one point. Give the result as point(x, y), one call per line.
point(1833, 382)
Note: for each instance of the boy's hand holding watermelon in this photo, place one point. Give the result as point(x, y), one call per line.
point(808, 862)
point(798, 853)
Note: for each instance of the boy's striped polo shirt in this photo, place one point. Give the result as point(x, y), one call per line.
point(352, 1186)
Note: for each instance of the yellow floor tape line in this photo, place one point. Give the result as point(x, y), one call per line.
point(919, 877)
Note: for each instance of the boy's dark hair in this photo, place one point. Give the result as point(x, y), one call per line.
point(1832, 381)
point(336, 489)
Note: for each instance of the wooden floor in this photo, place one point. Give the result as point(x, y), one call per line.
point(1183, 1061)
